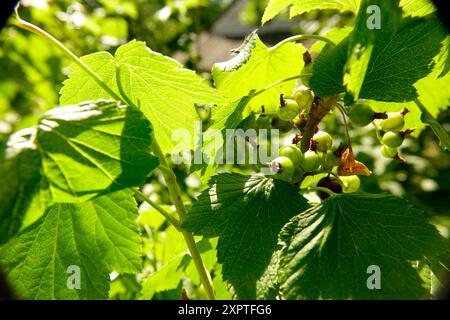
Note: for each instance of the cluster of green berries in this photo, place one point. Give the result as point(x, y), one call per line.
point(391, 124)
point(290, 108)
point(292, 165)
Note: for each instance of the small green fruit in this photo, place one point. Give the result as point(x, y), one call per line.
point(350, 183)
point(323, 141)
point(289, 110)
point(311, 161)
point(388, 152)
point(283, 168)
point(392, 139)
point(292, 152)
point(361, 115)
point(304, 98)
point(394, 122)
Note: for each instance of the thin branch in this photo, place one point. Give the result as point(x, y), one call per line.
point(276, 83)
point(312, 189)
point(158, 208)
point(44, 34)
point(302, 37)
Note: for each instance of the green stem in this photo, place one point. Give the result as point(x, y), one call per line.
point(169, 177)
point(439, 131)
point(36, 30)
point(302, 37)
point(276, 83)
point(342, 111)
point(158, 208)
point(378, 132)
point(175, 195)
point(312, 189)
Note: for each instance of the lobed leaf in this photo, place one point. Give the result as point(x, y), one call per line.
point(164, 91)
point(99, 236)
point(93, 148)
point(327, 250)
point(246, 213)
point(274, 7)
point(256, 67)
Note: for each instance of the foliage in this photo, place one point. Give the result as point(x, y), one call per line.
point(96, 184)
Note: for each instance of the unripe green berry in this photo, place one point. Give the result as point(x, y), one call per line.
point(292, 152)
point(304, 98)
point(350, 183)
point(361, 115)
point(394, 122)
point(388, 152)
point(283, 168)
point(289, 110)
point(310, 161)
point(323, 141)
point(392, 139)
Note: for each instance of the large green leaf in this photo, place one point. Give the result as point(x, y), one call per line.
point(443, 61)
point(94, 148)
point(414, 8)
point(389, 75)
point(326, 251)
point(22, 200)
point(246, 213)
point(165, 92)
point(166, 278)
point(99, 236)
point(417, 8)
point(256, 67)
point(363, 40)
point(328, 69)
point(18, 180)
point(274, 7)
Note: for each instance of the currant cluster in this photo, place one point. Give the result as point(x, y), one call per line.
point(292, 165)
point(390, 125)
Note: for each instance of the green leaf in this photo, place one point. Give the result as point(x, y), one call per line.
point(99, 236)
point(178, 266)
point(18, 179)
point(363, 40)
point(433, 93)
point(326, 250)
point(438, 129)
point(165, 92)
point(274, 7)
point(223, 118)
point(108, 143)
point(417, 8)
point(246, 213)
point(22, 201)
point(256, 67)
point(166, 278)
point(328, 70)
point(389, 76)
point(443, 60)
point(336, 35)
